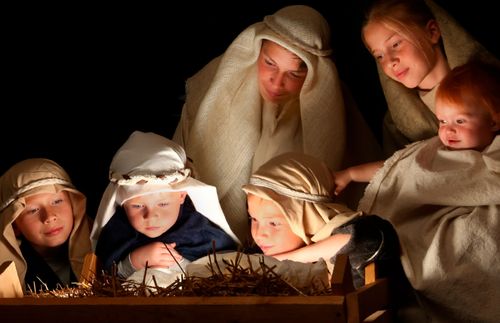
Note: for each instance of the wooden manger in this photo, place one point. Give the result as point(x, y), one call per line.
point(369, 303)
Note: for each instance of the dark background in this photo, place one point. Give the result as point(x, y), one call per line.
point(78, 79)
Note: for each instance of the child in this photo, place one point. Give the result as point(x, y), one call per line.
point(45, 230)
point(415, 44)
point(443, 195)
point(274, 90)
point(294, 217)
point(151, 205)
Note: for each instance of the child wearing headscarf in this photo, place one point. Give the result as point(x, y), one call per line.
point(294, 216)
point(153, 213)
point(44, 227)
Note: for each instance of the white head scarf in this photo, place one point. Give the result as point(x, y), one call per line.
point(149, 163)
point(35, 176)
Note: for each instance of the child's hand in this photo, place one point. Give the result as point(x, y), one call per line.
point(156, 255)
point(342, 178)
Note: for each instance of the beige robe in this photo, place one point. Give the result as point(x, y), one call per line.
point(221, 121)
point(445, 207)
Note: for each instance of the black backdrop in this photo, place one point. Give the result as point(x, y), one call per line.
point(78, 79)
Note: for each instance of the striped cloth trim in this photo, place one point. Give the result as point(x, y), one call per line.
point(290, 192)
point(32, 185)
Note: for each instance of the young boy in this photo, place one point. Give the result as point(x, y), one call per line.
point(294, 216)
point(153, 204)
point(45, 230)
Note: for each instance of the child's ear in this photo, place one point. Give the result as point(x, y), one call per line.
point(182, 197)
point(495, 126)
point(434, 31)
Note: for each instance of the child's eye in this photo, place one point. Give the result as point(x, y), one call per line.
point(297, 75)
point(378, 57)
point(443, 122)
point(268, 62)
point(163, 204)
point(274, 224)
point(58, 201)
point(460, 121)
point(396, 44)
point(135, 206)
point(31, 211)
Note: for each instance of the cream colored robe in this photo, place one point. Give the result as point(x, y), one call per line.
point(34, 176)
point(445, 207)
point(408, 118)
point(221, 121)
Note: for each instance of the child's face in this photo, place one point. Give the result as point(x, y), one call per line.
point(153, 214)
point(281, 73)
point(398, 57)
point(47, 220)
point(270, 229)
point(462, 127)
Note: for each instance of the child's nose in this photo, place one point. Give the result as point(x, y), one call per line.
point(262, 231)
point(47, 215)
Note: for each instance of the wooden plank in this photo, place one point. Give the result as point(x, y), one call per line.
point(177, 309)
point(366, 300)
point(382, 316)
point(370, 273)
point(342, 277)
point(10, 286)
point(89, 268)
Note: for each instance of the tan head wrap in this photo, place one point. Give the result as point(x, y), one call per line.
point(30, 177)
point(221, 122)
point(149, 163)
point(302, 188)
point(410, 115)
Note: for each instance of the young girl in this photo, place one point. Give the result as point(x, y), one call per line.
point(443, 195)
point(45, 230)
point(274, 90)
point(415, 44)
point(153, 204)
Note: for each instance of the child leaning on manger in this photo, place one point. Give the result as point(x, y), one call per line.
point(45, 229)
point(153, 204)
point(300, 229)
point(294, 216)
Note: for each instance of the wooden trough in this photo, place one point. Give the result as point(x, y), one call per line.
point(369, 303)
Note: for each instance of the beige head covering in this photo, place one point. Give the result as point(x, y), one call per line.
point(410, 115)
point(30, 177)
point(149, 163)
point(221, 121)
point(302, 188)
